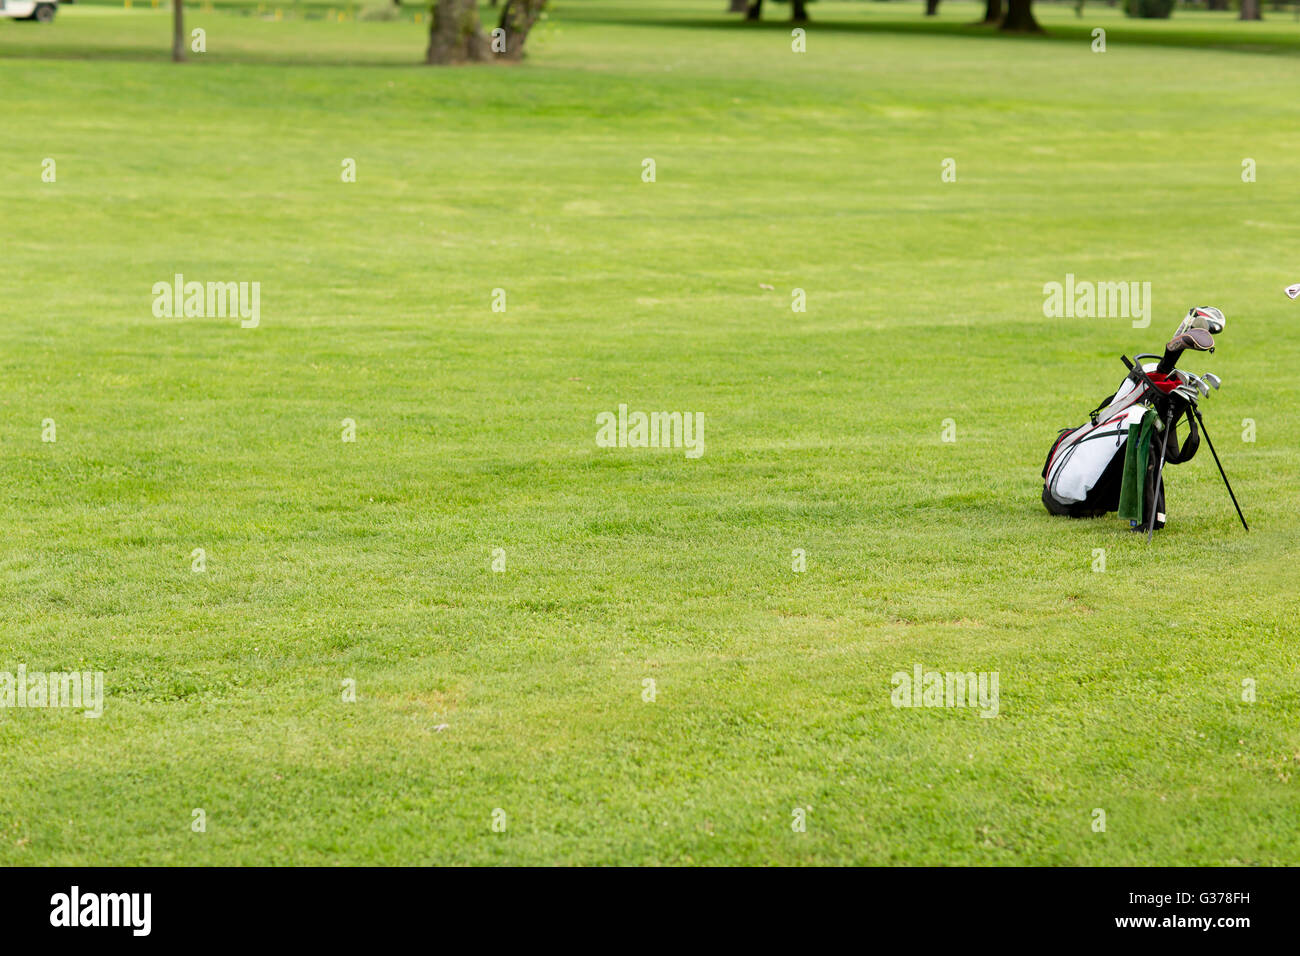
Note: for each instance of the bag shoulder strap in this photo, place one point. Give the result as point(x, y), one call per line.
point(1176, 455)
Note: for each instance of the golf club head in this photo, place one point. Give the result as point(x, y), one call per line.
point(1205, 317)
point(1293, 291)
point(1213, 380)
point(1194, 381)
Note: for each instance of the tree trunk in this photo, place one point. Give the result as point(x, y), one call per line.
point(738, 6)
point(455, 34)
point(1020, 17)
point(517, 18)
point(1217, 5)
point(178, 31)
point(931, 7)
point(799, 13)
point(992, 12)
point(1250, 10)
point(755, 10)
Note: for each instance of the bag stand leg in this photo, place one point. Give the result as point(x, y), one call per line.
point(1221, 471)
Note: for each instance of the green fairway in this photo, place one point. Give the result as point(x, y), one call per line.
point(524, 690)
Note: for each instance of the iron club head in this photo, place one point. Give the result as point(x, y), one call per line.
point(1195, 381)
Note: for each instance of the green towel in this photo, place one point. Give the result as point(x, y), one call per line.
point(1132, 490)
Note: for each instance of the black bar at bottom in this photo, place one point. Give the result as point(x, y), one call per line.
point(333, 907)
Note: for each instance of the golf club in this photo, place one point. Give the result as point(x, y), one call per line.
point(1198, 339)
point(1196, 381)
point(1155, 485)
point(1203, 317)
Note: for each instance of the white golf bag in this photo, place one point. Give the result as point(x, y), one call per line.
point(1084, 471)
point(1082, 475)
point(1116, 461)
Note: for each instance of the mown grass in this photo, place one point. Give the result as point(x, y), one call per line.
point(371, 560)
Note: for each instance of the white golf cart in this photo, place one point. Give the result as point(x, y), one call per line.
point(40, 10)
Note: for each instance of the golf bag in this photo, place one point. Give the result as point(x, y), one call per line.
point(1084, 473)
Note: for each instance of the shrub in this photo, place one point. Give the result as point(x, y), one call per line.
point(379, 11)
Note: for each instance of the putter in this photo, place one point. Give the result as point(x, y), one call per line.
point(1226, 483)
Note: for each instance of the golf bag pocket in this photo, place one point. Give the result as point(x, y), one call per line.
point(1085, 467)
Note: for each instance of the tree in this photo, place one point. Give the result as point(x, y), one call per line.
point(517, 18)
point(178, 31)
point(738, 6)
point(992, 12)
point(931, 7)
point(1250, 10)
point(455, 33)
point(798, 14)
point(1020, 17)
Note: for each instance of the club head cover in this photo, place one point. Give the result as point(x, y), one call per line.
point(1199, 339)
point(1194, 338)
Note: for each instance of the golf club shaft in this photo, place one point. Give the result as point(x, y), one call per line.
point(1155, 485)
point(1224, 475)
